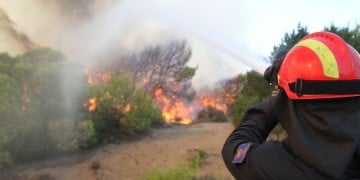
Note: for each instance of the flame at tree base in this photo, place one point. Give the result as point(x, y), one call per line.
point(173, 109)
point(176, 110)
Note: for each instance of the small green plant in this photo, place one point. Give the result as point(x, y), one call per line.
point(182, 171)
point(197, 158)
point(185, 170)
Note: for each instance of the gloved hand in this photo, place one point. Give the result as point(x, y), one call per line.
point(270, 73)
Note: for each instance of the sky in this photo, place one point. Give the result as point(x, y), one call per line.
point(268, 21)
point(248, 30)
point(260, 24)
point(227, 36)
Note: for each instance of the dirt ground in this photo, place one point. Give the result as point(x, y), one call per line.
point(159, 149)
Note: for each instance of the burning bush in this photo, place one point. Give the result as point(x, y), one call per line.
point(161, 72)
point(140, 115)
point(121, 108)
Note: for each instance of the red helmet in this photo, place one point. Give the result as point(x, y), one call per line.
point(321, 65)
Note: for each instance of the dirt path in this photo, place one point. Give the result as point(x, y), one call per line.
point(162, 148)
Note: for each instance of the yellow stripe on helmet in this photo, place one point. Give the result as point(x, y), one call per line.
point(325, 55)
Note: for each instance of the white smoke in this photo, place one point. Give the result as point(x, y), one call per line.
point(88, 30)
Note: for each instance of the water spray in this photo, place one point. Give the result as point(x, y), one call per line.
point(212, 38)
point(169, 15)
point(234, 50)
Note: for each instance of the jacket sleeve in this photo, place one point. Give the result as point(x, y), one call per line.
point(256, 125)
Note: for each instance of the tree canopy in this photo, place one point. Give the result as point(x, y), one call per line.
point(351, 36)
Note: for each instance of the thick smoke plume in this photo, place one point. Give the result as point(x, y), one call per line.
point(91, 30)
point(12, 40)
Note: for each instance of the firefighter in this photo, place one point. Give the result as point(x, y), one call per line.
point(318, 105)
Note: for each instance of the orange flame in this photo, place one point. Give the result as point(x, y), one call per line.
point(92, 104)
point(214, 102)
point(97, 77)
point(127, 108)
point(146, 79)
point(173, 108)
point(90, 79)
point(175, 112)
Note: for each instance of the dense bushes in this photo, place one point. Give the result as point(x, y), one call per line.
point(42, 111)
point(38, 109)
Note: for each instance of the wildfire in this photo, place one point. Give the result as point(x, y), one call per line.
point(214, 102)
point(127, 108)
point(92, 104)
point(173, 109)
point(145, 79)
point(97, 77)
point(90, 80)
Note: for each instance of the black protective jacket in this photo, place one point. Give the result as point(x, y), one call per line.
point(323, 139)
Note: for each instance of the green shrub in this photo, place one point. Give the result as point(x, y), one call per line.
point(140, 116)
point(32, 143)
point(256, 85)
point(86, 136)
point(39, 91)
point(9, 107)
point(62, 133)
point(240, 106)
point(254, 89)
point(197, 158)
point(121, 108)
point(111, 99)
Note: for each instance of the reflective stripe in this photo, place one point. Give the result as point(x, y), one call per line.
point(325, 55)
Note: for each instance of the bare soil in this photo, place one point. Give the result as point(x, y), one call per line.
point(159, 149)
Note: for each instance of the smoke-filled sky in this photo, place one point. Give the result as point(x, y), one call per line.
point(218, 30)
